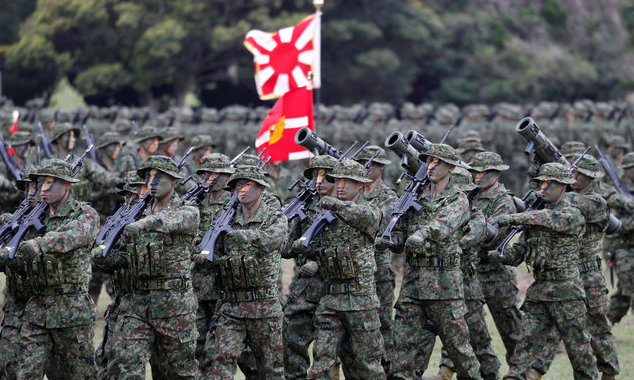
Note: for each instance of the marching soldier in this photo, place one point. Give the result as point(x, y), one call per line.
point(59, 314)
point(249, 264)
point(159, 315)
point(203, 145)
point(556, 300)
point(432, 287)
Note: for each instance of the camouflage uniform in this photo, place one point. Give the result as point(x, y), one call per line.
point(305, 290)
point(248, 264)
point(350, 309)
point(622, 246)
point(158, 315)
point(596, 213)
point(11, 198)
point(551, 246)
point(203, 278)
point(58, 318)
point(432, 288)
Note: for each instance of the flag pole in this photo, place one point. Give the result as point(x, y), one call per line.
point(317, 66)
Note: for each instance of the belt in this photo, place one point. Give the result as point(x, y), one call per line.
point(590, 265)
point(358, 286)
point(256, 294)
point(178, 283)
point(556, 274)
point(61, 290)
point(434, 262)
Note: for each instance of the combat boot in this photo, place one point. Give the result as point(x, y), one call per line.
point(533, 374)
point(444, 373)
point(607, 377)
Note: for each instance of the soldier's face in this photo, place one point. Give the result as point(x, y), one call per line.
point(158, 183)
point(248, 191)
point(616, 153)
point(552, 190)
point(374, 171)
point(22, 150)
point(150, 145)
point(52, 190)
point(113, 150)
point(581, 181)
point(321, 184)
point(468, 155)
point(347, 189)
point(68, 140)
point(486, 179)
point(629, 173)
point(218, 180)
point(170, 148)
point(437, 169)
point(31, 191)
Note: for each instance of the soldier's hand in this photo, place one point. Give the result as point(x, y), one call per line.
point(330, 203)
point(495, 257)
point(309, 269)
point(298, 247)
point(505, 220)
point(4, 218)
point(199, 259)
point(238, 236)
point(134, 228)
point(415, 242)
point(29, 250)
point(382, 244)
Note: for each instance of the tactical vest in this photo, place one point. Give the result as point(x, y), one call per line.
point(341, 262)
point(68, 273)
point(552, 255)
point(155, 255)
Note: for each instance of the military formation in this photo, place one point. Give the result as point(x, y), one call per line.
point(189, 243)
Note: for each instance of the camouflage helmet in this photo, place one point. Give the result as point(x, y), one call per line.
point(618, 142)
point(628, 161)
point(554, 171)
point(589, 166)
point(443, 152)
point(130, 180)
point(348, 169)
point(571, 148)
point(369, 151)
point(122, 126)
point(109, 138)
point(60, 128)
point(26, 178)
point(485, 161)
point(248, 160)
point(215, 163)
point(46, 116)
point(462, 178)
point(201, 141)
point(470, 143)
point(252, 173)
point(163, 163)
point(148, 133)
point(20, 138)
point(318, 162)
point(170, 134)
point(54, 167)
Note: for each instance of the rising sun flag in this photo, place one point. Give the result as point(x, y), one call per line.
point(286, 59)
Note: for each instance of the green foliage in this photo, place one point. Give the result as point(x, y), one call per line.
point(554, 13)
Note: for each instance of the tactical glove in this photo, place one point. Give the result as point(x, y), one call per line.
point(309, 269)
point(495, 257)
point(330, 203)
point(29, 250)
point(137, 227)
point(506, 220)
point(415, 242)
point(382, 244)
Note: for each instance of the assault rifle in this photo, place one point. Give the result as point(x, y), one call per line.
point(197, 193)
point(33, 220)
point(536, 204)
point(126, 214)
point(607, 166)
point(8, 162)
point(135, 127)
point(45, 143)
point(410, 148)
point(8, 228)
point(89, 138)
point(221, 224)
point(328, 217)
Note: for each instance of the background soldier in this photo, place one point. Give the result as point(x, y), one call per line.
point(432, 288)
point(349, 310)
point(249, 264)
point(596, 213)
point(59, 315)
point(499, 283)
point(308, 286)
point(556, 299)
point(158, 316)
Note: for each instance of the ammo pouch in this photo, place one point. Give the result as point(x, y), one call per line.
point(239, 272)
point(591, 264)
point(337, 263)
point(45, 272)
point(17, 285)
point(145, 259)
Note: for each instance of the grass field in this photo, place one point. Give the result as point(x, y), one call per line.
point(560, 369)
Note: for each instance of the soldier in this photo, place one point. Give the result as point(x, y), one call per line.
point(622, 245)
point(379, 195)
point(473, 233)
point(59, 315)
point(158, 315)
point(281, 178)
point(148, 140)
point(350, 308)
point(215, 170)
point(21, 143)
point(432, 287)
point(169, 144)
point(109, 148)
point(499, 283)
point(570, 148)
point(596, 213)
point(203, 145)
point(617, 147)
point(249, 264)
point(308, 285)
point(468, 147)
point(551, 246)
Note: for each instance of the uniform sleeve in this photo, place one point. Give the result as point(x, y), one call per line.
point(184, 219)
point(568, 219)
point(271, 236)
point(514, 254)
point(100, 176)
point(475, 230)
point(362, 217)
point(504, 206)
point(448, 219)
point(78, 232)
